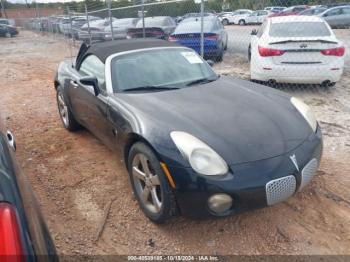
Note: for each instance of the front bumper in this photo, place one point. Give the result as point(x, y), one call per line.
point(251, 185)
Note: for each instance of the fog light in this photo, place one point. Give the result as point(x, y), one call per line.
point(220, 203)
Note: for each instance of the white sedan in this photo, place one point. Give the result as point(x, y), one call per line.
point(257, 17)
point(296, 49)
point(235, 17)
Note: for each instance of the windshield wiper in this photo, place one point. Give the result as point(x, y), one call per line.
point(151, 88)
point(201, 81)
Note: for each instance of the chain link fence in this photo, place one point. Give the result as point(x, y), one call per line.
point(299, 49)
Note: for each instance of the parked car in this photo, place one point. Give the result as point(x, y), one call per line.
point(241, 18)
point(294, 10)
point(120, 28)
point(275, 9)
point(193, 142)
point(95, 28)
point(313, 11)
point(296, 49)
point(71, 26)
point(65, 26)
point(80, 21)
point(8, 31)
point(236, 17)
point(155, 27)
point(188, 33)
point(257, 17)
point(337, 17)
point(23, 232)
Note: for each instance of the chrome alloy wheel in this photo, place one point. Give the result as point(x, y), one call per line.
point(63, 109)
point(147, 183)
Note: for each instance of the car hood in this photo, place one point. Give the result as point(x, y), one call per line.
point(240, 120)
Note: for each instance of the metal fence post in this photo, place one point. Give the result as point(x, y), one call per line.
point(202, 28)
point(143, 19)
point(110, 18)
point(3, 9)
point(71, 26)
point(88, 23)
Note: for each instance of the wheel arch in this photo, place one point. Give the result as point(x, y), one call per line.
point(133, 138)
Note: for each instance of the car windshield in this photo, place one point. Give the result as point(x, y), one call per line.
point(299, 29)
point(162, 68)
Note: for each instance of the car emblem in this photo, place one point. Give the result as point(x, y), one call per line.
point(295, 162)
point(303, 46)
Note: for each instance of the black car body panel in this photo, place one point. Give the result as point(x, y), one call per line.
point(4, 29)
point(15, 189)
point(254, 128)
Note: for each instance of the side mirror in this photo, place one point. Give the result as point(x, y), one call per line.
point(210, 62)
point(325, 15)
point(254, 32)
point(90, 81)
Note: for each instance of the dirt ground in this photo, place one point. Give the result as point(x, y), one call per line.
point(75, 177)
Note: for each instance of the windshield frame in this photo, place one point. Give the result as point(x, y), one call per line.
point(108, 64)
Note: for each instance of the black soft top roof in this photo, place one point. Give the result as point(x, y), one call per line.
point(104, 49)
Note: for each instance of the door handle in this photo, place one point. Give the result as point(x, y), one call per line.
point(11, 141)
point(74, 83)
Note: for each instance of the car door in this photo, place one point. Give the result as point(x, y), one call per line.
point(345, 16)
point(332, 16)
point(92, 108)
point(252, 18)
point(261, 16)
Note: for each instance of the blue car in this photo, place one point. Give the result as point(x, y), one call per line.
point(188, 33)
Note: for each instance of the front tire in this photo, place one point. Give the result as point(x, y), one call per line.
point(225, 22)
point(68, 120)
point(241, 22)
point(8, 35)
point(150, 184)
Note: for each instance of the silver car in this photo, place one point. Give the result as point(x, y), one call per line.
point(337, 17)
point(120, 28)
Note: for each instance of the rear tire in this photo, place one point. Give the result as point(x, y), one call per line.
point(225, 22)
point(150, 185)
point(8, 35)
point(68, 120)
point(241, 22)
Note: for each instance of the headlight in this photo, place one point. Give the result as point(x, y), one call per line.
point(201, 157)
point(306, 112)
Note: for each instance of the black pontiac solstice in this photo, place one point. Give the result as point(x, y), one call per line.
point(193, 142)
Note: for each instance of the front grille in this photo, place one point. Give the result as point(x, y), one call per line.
point(280, 189)
point(308, 172)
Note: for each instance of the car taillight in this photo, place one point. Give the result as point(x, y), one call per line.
point(10, 238)
point(172, 38)
point(340, 51)
point(264, 51)
point(212, 37)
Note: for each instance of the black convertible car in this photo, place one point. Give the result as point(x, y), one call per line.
point(193, 142)
point(23, 232)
